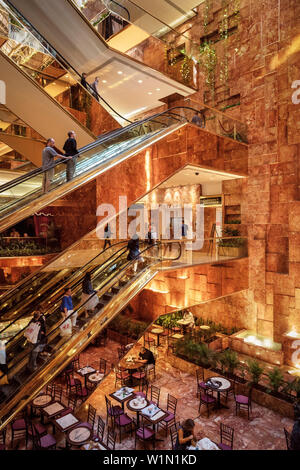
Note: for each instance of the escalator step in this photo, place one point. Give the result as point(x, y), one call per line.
point(108, 296)
point(116, 289)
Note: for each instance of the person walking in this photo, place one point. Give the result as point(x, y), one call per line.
point(67, 309)
point(84, 82)
point(48, 157)
point(70, 149)
point(107, 236)
point(134, 251)
point(39, 342)
point(94, 88)
point(89, 295)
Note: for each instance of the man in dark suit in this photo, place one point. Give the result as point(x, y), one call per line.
point(70, 149)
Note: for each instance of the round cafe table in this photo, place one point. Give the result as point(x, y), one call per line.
point(78, 436)
point(157, 332)
point(131, 366)
point(225, 385)
point(137, 408)
point(40, 402)
point(95, 378)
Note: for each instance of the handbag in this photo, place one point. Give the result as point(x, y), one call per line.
point(32, 332)
point(66, 328)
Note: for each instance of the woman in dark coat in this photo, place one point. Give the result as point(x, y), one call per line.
point(134, 251)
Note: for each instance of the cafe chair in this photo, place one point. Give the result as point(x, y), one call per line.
point(207, 399)
point(154, 395)
point(76, 363)
point(123, 421)
point(71, 382)
point(173, 434)
point(144, 434)
point(57, 392)
point(169, 420)
point(102, 366)
point(287, 439)
point(72, 402)
point(143, 390)
point(226, 437)
point(19, 429)
point(121, 376)
point(34, 429)
point(111, 439)
point(100, 429)
point(140, 376)
point(45, 442)
point(148, 341)
point(112, 411)
point(243, 402)
point(151, 371)
point(201, 385)
point(81, 393)
point(91, 418)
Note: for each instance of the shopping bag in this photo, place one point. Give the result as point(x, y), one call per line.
point(66, 328)
point(2, 353)
point(32, 332)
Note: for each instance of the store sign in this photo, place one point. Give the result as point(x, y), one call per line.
point(2, 92)
point(296, 94)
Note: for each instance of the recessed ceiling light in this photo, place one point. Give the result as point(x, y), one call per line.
point(157, 89)
point(149, 92)
point(140, 81)
point(119, 72)
point(104, 81)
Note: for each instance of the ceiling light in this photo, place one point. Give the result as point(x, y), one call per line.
point(149, 92)
point(140, 81)
point(119, 72)
point(104, 81)
point(157, 89)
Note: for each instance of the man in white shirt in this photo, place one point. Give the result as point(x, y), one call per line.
point(48, 157)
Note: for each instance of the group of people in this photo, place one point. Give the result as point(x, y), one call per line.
point(50, 154)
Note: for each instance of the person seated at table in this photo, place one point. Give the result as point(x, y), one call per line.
point(147, 358)
point(189, 317)
point(185, 435)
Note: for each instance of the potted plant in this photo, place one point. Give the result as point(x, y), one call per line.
point(275, 380)
point(232, 247)
point(255, 370)
point(229, 361)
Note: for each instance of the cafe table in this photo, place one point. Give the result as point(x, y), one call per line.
point(85, 371)
point(131, 364)
point(53, 410)
point(40, 402)
point(157, 332)
point(205, 444)
point(137, 406)
point(66, 422)
point(222, 385)
point(122, 396)
point(154, 414)
point(184, 323)
point(95, 378)
point(79, 435)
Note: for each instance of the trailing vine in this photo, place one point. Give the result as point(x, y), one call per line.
point(223, 32)
point(208, 62)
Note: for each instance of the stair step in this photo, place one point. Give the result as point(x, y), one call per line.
point(108, 296)
point(116, 289)
point(123, 282)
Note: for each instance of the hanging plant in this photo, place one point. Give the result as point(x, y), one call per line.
point(206, 15)
point(223, 32)
point(208, 61)
point(186, 68)
point(171, 53)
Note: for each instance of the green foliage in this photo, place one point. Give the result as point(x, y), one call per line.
point(127, 327)
point(23, 248)
point(255, 370)
point(293, 386)
point(199, 353)
point(208, 62)
point(169, 320)
point(228, 360)
point(275, 379)
point(101, 18)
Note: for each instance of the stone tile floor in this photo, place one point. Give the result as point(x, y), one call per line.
point(264, 431)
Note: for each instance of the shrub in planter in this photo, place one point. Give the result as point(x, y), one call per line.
point(293, 386)
point(229, 361)
point(275, 379)
point(255, 370)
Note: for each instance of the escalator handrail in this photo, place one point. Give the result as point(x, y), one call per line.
point(122, 6)
point(104, 285)
point(103, 139)
point(56, 53)
point(71, 277)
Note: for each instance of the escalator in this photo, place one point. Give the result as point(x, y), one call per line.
point(23, 196)
point(116, 285)
point(86, 52)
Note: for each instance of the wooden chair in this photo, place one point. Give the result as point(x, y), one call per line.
point(19, 428)
point(123, 421)
point(100, 429)
point(81, 393)
point(121, 376)
point(169, 420)
point(71, 382)
point(91, 417)
point(207, 399)
point(34, 429)
point(112, 411)
point(148, 341)
point(201, 386)
point(57, 392)
point(45, 442)
point(111, 439)
point(144, 434)
point(173, 434)
point(154, 394)
point(2, 439)
point(143, 391)
point(141, 376)
point(226, 437)
point(102, 366)
point(243, 402)
point(76, 363)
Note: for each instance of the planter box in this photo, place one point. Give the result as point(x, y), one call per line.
point(232, 251)
point(261, 398)
point(264, 354)
point(220, 343)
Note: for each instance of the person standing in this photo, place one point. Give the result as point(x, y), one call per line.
point(70, 148)
point(83, 81)
point(48, 157)
point(89, 296)
point(107, 236)
point(94, 87)
point(134, 251)
point(41, 339)
point(67, 306)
